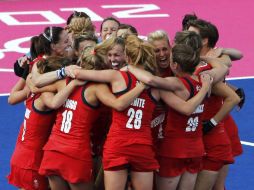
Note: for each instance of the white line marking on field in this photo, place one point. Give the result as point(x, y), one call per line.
point(247, 143)
point(240, 78)
point(5, 94)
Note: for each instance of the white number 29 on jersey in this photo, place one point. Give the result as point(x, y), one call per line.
point(192, 124)
point(135, 118)
point(66, 122)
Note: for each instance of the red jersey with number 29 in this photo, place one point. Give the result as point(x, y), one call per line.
point(183, 134)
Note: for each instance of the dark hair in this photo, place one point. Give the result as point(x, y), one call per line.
point(206, 30)
point(189, 38)
point(186, 19)
point(52, 63)
point(186, 57)
point(86, 36)
point(41, 44)
point(109, 18)
point(35, 47)
point(76, 14)
point(130, 27)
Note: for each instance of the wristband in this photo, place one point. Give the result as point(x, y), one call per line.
point(213, 122)
point(60, 73)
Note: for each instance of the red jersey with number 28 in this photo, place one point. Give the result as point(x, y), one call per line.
point(132, 126)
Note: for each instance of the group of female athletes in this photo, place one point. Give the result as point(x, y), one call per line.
point(119, 112)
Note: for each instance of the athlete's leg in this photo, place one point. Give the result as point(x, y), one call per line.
point(81, 186)
point(187, 181)
point(220, 182)
point(115, 180)
point(142, 180)
point(206, 180)
point(167, 183)
point(56, 183)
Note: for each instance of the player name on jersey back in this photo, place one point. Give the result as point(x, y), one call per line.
point(71, 104)
point(138, 102)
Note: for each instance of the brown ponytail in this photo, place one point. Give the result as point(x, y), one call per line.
point(52, 63)
point(141, 53)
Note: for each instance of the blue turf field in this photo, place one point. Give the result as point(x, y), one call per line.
point(241, 173)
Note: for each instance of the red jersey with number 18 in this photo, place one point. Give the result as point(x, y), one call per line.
point(71, 132)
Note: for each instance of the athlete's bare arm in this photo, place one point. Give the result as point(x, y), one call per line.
point(168, 83)
point(230, 100)
point(19, 92)
point(54, 101)
point(219, 70)
point(189, 106)
point(104, 94)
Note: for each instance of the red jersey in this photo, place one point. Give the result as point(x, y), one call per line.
point(160, 113)
point(100, 129)
point(132, 126)
point(159, 121)
point(213, 103)
point(33, 135)
point(166, 72)
point(217, 143)
point(232, 131)
point(183, 130)
point(71, 132)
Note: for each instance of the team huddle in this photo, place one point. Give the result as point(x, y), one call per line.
point(119, 112)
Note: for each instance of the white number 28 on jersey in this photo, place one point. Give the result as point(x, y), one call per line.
point(135, 118)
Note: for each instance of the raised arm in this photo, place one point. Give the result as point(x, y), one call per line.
point(219, 70)
point(44, 79)
point(230, 100)
point(36, 90)
point(40, 80)
point(108, 76)
point(54, 101)
point(169, 83)
point(234, 54)
point(104, 94)
point(19, 92)
point(187, 107)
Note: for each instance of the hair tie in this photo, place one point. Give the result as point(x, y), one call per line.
point(93, 52)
